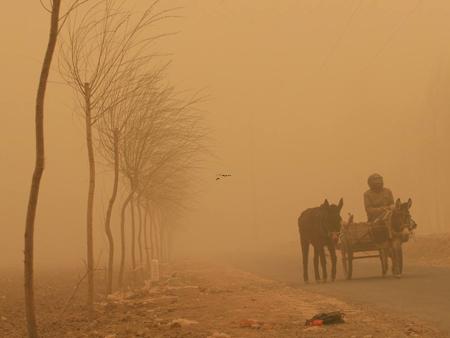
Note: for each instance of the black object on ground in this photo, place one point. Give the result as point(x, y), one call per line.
point(326, 318)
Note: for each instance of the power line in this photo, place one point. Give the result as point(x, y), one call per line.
point(393, 34)
point(341, 35)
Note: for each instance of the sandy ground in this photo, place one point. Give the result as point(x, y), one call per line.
point(198, 300)
point(429, 250)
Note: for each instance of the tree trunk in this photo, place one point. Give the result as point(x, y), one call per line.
point(112, 200)
point(133, 242)
point(152, 231)
point(90, 202)
point(169, 245)
point(147, 254)
point(122, 239)
point(165, 247)
point(158, 234)
point(37, 173)
point(139, 239)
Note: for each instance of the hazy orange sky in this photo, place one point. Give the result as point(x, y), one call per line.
point(306, 99)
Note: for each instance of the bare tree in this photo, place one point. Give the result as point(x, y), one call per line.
point(159, 139)
point(168, 162)
point(133, 145)
point(133, 239)
point(162, 161)
point(146, 243)
point(38, 171)
point(101, 46)
point(171, 197)
point(123, 239)
point(125, 99)
point(56, 21)
point(109, 212)
point(139, 237)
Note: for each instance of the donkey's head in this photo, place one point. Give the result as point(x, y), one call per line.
point(401, 217)
point(332, 218)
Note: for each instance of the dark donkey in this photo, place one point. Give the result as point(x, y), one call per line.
point(400, 226)
point(320, 227)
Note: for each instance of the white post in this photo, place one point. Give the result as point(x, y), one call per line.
point(155, 270)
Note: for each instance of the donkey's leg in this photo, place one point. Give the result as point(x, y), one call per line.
point(316, 264)
point(396, 257)
point(332, 250)
point(387, 253)
point(391, 255)
point(323, 263)
point(383, 260)
point(305, 252)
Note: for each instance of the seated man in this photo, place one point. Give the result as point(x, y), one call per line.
point(377, 199)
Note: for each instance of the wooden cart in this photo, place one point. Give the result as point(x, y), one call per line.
point(360, 241)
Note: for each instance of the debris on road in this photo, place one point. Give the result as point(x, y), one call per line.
point(255, 324)
point(412, 332)
point(326, 318)
point(181, 322)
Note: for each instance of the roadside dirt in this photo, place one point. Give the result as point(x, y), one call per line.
point(429, 250)
point(198, 300)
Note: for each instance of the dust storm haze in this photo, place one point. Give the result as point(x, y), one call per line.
point(305, 99)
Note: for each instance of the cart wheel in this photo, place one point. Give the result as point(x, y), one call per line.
point(347, 263)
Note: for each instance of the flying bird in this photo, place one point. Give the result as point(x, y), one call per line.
point(220, 176)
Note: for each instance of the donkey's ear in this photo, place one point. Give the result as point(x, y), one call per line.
point(325, 203)
point(409, 203)
point(341, 204)
point(398, 203)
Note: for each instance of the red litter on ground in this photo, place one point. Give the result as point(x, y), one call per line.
point(316, 322)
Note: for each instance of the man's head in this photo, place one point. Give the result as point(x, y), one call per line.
point(375, 182)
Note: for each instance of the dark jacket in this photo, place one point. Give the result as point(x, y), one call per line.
point(376, 201)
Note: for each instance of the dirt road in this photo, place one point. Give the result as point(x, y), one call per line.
point(422, 292)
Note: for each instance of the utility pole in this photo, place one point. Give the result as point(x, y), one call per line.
point(255, 227)
point(436, 173)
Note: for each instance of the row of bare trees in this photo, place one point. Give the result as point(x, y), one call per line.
point(149, 139)
point(135, 120)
